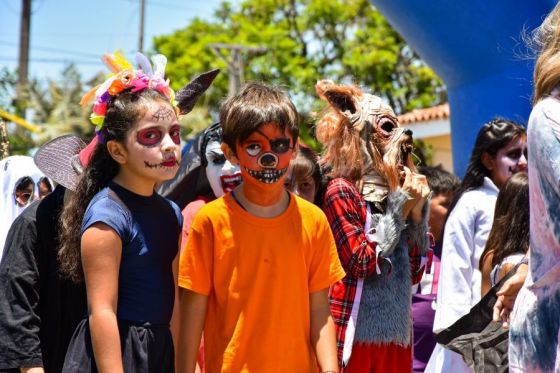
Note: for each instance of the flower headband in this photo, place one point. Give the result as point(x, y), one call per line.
point(124, 77)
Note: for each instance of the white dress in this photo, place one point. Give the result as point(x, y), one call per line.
point(466, 232)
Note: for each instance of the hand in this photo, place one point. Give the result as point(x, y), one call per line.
point(416, 186)
point(508, 294)
point(416, 213)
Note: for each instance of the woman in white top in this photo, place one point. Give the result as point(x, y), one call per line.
point(500, 151)
point(508, 241)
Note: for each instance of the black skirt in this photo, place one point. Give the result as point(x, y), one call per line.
point(145, 348)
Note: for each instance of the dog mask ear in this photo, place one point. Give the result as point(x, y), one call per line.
point(187, 96)
point(339, 98)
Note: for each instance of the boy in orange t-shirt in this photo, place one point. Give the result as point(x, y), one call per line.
point(259, 261)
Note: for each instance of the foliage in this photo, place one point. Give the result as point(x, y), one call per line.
point(305, 40)
point(19, 139)
point(57, 106)
point(54, 106)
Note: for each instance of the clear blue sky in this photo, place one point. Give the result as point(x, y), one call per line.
point(81, 31)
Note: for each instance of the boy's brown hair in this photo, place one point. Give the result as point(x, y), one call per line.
point(257, 104)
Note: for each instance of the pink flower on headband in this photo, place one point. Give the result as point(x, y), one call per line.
point(100, 108)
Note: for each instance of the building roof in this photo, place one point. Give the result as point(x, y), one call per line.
point(423, 115)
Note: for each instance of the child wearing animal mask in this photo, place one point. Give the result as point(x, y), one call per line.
point(259, 261)
point(376, 205)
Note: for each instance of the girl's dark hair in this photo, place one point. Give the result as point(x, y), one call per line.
point(45, 180)
point(123, 111)
point(23, 183)
point(492, 137)
point(306, 163)
point(510, 228)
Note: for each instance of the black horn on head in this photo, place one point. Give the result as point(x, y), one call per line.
point(188, 95)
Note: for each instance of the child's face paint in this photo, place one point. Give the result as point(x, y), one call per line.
point(154, 143)
point(265, 155)
point(222, 175)
point(509, 160)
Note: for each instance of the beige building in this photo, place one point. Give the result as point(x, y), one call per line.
point(432, 126)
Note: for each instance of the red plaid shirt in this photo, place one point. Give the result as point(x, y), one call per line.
point(346, 211)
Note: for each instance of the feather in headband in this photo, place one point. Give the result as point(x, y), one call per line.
point(123, 77)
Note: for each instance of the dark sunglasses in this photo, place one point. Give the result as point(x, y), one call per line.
point(280, 145)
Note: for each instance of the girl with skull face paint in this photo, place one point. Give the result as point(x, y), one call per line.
point(500, 151)
point(120, 236)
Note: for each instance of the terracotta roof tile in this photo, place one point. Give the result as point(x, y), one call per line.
point(423, 115)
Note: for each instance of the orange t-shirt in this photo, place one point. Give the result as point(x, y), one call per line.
point(258, 274)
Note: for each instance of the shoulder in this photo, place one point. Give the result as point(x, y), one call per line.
point(544, 122)
point(548, 108)
point(312, 217)
point(106, 198)
point(341, 190)
point(106, 207)
point(472, 204)
point(172, 205)
point(476, 198)
point(212, 213)
point(341, 185)
point(215, 207)
point(306, 208)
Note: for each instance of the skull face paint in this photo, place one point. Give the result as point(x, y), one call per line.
point(222, 175)
point(153, 144)
point(266, 154)
point(509, 160)
point(152, 136)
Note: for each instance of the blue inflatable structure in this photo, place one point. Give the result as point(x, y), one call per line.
point(476, 47)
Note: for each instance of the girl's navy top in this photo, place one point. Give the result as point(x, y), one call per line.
point(149, 228)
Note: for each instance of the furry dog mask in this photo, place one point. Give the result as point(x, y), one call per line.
point(363, 140)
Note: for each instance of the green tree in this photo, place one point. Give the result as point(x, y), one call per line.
point(56, 106)
point(20, 140)
point(306, 40)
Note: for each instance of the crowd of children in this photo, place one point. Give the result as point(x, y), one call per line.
point(276, 258)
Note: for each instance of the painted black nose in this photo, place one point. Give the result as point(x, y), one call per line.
point(268, 160)
point(408, 132)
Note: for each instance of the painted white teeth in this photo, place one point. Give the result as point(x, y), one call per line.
point(267, 176)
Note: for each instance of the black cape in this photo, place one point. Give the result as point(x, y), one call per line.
point(39, 310)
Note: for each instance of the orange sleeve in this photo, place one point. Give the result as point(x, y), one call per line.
point(325, 268)
point(196, 260)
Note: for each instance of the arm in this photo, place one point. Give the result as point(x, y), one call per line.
point(176, 317)
point(193, 314)
point(417, 231)
point(507, 295)
point(346, 213)
point(101, 256)
point(323, 337)
point(486, 283)
point(456, 272)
